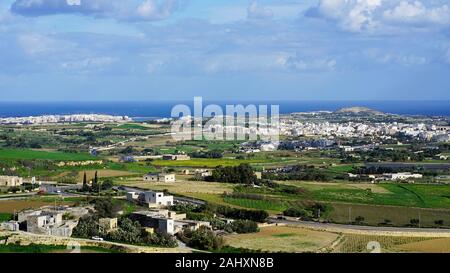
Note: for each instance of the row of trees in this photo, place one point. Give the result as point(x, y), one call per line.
point(96, 186)
point(235, 213)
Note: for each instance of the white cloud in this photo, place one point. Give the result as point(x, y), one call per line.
point(375, 15)
point(151, 10)
point(256, 11)
point(144, 10)
point(352, 15)
point(417, 12)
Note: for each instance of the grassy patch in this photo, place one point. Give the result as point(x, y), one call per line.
point(210, 163)
point(275, 239)
point(5, 217)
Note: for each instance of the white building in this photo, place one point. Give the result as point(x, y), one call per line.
point(160, 177)
point(402, 176)
point(10, 226)
point(156, 199)
point(132, 196)
point(10, 181)
point(156, 220)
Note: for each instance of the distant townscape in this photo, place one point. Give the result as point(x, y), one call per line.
point(333, 182)
point(49, 119)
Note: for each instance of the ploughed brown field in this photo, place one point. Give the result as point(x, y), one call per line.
point(11, 206)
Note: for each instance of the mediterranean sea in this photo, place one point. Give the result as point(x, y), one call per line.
point(161, 109)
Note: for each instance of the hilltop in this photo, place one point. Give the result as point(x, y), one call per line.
point(358, 110)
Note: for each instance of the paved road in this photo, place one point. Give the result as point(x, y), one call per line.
point(355, 228)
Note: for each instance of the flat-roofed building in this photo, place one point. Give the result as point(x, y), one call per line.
point(156, 199)
point(108, 224)
point(176, 157)
point(10, 181)
point(160, 177)
point(152, 219)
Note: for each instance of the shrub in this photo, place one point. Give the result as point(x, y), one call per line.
point(244, 226)
point(202, 238)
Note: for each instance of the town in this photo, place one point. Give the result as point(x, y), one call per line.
point(327, 184)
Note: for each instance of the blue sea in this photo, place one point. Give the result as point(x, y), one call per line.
point(160, 109)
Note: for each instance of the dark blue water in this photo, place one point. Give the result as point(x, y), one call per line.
point(163, 108)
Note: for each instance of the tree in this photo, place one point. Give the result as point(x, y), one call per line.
point(107, 184)
point(244, 226)
point(87, 228)
point(106, 208)
point(95, 182)
point(202, 238)
point(85, 185)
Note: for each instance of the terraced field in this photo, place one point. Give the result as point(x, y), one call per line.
point(283, 239)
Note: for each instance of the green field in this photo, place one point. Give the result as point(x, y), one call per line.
point(396, 216)
point(132, 126)
point(394, 194)
point(423, 196)
point(5, 217)
point(211, 163)
point(269, 205)
point(35, 154)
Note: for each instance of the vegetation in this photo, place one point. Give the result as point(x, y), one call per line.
point(242, 174)
point(234, 213)
point(202, 238)
point(33, 155)
point(37, 248)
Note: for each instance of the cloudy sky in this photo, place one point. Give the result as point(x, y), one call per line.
point(224, 49)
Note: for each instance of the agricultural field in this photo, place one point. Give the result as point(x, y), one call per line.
point(393, 194)
point(27, 154)
point(441, 245)
point(12, 206)
point(353, 243)
point(378, 215)
point(181, 187)
point(101, 173)
point(283, 239)
point(210, 163)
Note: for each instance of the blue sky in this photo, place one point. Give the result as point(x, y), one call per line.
point(137, 50)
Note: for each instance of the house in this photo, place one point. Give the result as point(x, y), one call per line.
point(108, 224)
point(160, 177)
point(185, 172)
point(50, 223)
point(156, 199)
point(155, 221)
point(401, 176)
point(203, 173)
point(176, 157)
point(132, 196)
point(50, 220)
point(10, 181)
point(258, 175)
point(10, 226)
point(191, 225)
